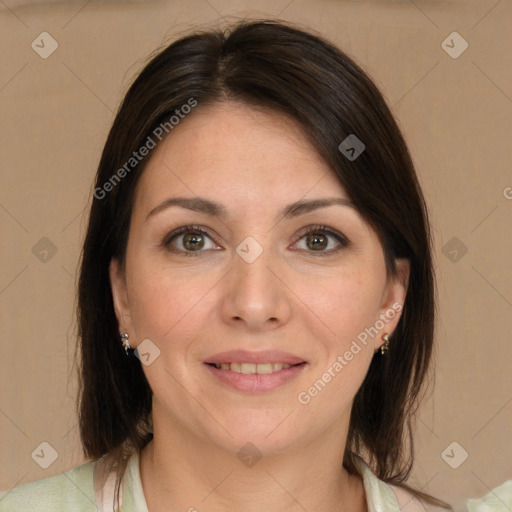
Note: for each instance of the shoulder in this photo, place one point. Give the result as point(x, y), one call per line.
point(68, 492)
point(381, 495)
point(498, 498)
point(410, 503)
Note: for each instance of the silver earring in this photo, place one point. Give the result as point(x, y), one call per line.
point(125, 340)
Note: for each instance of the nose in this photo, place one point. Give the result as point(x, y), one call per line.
point(256, 295)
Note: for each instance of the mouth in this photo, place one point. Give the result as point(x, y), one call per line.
point(254, 368)
point(254, 378)
point(254, 371)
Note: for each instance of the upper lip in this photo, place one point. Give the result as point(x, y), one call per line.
point(245, 356)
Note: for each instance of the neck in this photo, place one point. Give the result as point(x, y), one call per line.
point(182, 472)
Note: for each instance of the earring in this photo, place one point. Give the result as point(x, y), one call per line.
point(385, 345)
point(126, 342)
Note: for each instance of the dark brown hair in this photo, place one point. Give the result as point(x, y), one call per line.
point(272, 65)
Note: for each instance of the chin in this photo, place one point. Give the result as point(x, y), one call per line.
point(267, 437)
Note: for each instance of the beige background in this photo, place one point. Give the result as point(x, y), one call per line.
point(457, 118)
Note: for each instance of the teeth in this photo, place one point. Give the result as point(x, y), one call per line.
point(252, 368)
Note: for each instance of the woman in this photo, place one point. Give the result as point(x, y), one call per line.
point(256, 297)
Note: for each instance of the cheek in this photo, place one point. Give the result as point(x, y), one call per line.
point(346, 307)
point(161, 300)
point(344, 304)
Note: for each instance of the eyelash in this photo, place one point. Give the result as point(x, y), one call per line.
point(343, 241)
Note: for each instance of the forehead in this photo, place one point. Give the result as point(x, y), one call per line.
point(239, 153)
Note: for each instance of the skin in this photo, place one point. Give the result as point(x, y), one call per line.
point(254, 163)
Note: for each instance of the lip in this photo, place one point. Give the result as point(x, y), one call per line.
point(256, 383)
point(246, 356)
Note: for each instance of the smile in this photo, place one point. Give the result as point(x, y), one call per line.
point(250, 368)
point(255, 378)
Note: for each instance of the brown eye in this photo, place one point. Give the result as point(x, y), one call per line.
point(318, 238)
point(192, 241)
point(317, 241)
point(187, 240)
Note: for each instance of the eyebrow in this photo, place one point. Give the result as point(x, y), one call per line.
point(203, 205)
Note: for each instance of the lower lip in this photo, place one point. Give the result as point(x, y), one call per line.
point(256, 383)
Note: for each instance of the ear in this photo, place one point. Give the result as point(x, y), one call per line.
point(393, 300)
point(120, 298)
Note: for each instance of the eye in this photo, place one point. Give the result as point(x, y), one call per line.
point(193, 240)
point(317, 239)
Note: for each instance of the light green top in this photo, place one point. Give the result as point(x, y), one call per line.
point(74, 491)
point(498, 499)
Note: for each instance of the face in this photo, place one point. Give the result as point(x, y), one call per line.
point(306, 283)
